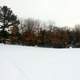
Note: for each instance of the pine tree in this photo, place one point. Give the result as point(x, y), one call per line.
point(7, 19)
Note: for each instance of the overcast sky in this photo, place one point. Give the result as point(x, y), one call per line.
point(62, 12)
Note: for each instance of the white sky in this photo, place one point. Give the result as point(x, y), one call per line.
point(62, 12)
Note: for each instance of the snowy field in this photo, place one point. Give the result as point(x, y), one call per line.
point(32, 63)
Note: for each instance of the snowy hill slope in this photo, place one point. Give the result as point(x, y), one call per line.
point(30, 63)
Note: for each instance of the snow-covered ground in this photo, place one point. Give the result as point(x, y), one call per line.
point(32, 63)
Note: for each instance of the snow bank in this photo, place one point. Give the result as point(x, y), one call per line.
point(32, 63)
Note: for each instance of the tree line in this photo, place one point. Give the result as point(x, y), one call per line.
point(32, 32)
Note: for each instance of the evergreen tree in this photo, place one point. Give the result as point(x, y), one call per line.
point(7, 19)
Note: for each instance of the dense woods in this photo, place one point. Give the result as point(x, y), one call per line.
point(35, 33)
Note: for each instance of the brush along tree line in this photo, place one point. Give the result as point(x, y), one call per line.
point(35, 33)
